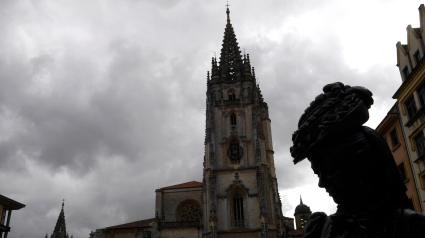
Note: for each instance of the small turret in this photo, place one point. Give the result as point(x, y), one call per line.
point(302, 212)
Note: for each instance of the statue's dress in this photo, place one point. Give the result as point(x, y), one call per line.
point(399, 223)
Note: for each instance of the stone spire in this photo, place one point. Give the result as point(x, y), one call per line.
point(230, 56)
point(301, 200)
point(60, 228)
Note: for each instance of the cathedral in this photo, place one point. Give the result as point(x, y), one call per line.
point(238, 196)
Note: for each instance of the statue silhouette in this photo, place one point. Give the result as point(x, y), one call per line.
point(355, 166)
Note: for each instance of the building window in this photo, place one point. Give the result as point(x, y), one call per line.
point(402, 171)
point(406, 72)
point(147, 234)
point(417, 57)
point(421, 94)
point(303, 221)
point(189, 211)
point(394, 138)
point(235, 152)
point(420, 144)
point(411, 107)
point(233, 120)
point(238, 216)
point(422, 176)
point(232, 96)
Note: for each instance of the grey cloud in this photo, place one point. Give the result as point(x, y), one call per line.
point(102, 103)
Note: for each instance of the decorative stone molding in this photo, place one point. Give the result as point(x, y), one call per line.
point(258, 152)
point(261, 192)
point(271, 186)
point(179, 224)
point(264, 230)
point(212, 191)
point(233, 130)
point(213, 230)
point(236, 182)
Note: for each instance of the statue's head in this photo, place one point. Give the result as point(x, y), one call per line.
point(354, 164)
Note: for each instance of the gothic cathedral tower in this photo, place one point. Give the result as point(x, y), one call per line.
point(239, 186)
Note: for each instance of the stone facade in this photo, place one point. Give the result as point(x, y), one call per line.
point(139, 229)
point(239, 183)
point(391, 130)
point(411, 101)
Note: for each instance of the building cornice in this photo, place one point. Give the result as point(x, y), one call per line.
point(409, 81)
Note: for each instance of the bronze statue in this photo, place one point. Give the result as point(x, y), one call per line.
point(355, 166)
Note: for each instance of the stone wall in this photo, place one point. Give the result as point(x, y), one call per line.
point(173, 197)
point(181, 233)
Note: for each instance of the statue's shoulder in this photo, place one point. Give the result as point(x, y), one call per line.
point(415, 223)
point(316, 224)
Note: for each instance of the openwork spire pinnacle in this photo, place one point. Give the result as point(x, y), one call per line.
point(60, 228)
point(231, 66)
point(228, 12)
point(230, 57)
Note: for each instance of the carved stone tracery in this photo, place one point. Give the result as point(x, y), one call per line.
point(189, 211)
point(236, 182)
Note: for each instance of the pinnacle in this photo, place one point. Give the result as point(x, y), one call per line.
point(60, 228)
point(230, 57)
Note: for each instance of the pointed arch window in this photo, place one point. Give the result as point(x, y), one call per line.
point(235, 152)
point(237, 209)
point(233, 120)
point(232, 96)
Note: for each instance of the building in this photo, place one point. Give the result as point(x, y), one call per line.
point(411, 101)
point(60, 227)
point(144, 228)
point(302, 212)
point(97, 234)
point(239, 193)
point(391, 130)
point(6, 207)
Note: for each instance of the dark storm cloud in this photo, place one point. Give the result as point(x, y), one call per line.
point(103, 102)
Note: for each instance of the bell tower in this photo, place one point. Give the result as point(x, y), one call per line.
point(240, 192)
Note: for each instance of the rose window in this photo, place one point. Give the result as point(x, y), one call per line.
point(190, 212)
point(235, 152)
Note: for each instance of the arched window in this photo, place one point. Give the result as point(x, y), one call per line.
point(189, 211)
point(238, 215)
point(232, 95)
point(235, 152)
point(233, 120)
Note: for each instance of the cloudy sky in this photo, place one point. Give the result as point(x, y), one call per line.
point(102, 102)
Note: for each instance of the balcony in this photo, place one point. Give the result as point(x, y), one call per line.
point(239, 223)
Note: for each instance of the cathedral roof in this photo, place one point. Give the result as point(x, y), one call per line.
point(191, 184)
point(134, 224)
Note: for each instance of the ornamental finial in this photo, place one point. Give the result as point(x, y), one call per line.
point(227, 11)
